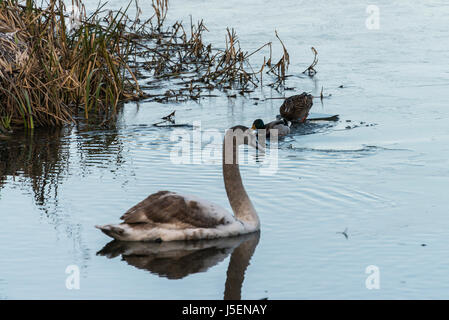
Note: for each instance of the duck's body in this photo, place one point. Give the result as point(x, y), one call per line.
point(168, 216)
point(296, 108)
point(282, 126)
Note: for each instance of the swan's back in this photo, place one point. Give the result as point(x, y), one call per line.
point(168, 216)
point(179, 211)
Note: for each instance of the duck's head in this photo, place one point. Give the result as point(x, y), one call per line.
point(258, 124)
point(242, 135)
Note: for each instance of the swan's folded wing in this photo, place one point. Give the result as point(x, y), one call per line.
point(178, 211)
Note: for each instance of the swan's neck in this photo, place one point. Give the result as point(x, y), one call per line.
point(238, 198)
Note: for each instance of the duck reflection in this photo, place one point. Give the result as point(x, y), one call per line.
point(178, 259)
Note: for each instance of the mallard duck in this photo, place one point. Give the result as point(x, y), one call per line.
point(282, 126)
point(167, 216)
point(296, 108)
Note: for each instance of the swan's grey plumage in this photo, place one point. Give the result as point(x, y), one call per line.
point(168, 216)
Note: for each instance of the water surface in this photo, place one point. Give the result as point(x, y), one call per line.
point(381, 172)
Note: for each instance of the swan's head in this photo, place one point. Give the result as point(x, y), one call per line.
point(239, 135)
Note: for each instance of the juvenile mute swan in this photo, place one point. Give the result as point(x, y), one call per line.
point(168, 216)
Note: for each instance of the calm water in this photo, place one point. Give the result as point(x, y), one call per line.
point(385, 183)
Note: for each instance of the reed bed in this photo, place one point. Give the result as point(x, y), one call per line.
point(202, 68)
point(57, 66)
point(50, 72)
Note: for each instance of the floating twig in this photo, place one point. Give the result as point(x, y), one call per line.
point(170, 117)
point(345, 233)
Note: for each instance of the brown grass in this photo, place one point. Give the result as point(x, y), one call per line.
point(51, 74)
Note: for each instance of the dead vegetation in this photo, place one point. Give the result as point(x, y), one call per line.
point(56, 66)
point(50, 72)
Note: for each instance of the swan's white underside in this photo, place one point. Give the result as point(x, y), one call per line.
point(165, 233)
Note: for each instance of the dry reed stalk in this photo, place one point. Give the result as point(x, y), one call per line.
point(49, 72)
point(311, 69)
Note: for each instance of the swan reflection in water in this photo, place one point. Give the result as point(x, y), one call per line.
point(178, 259)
